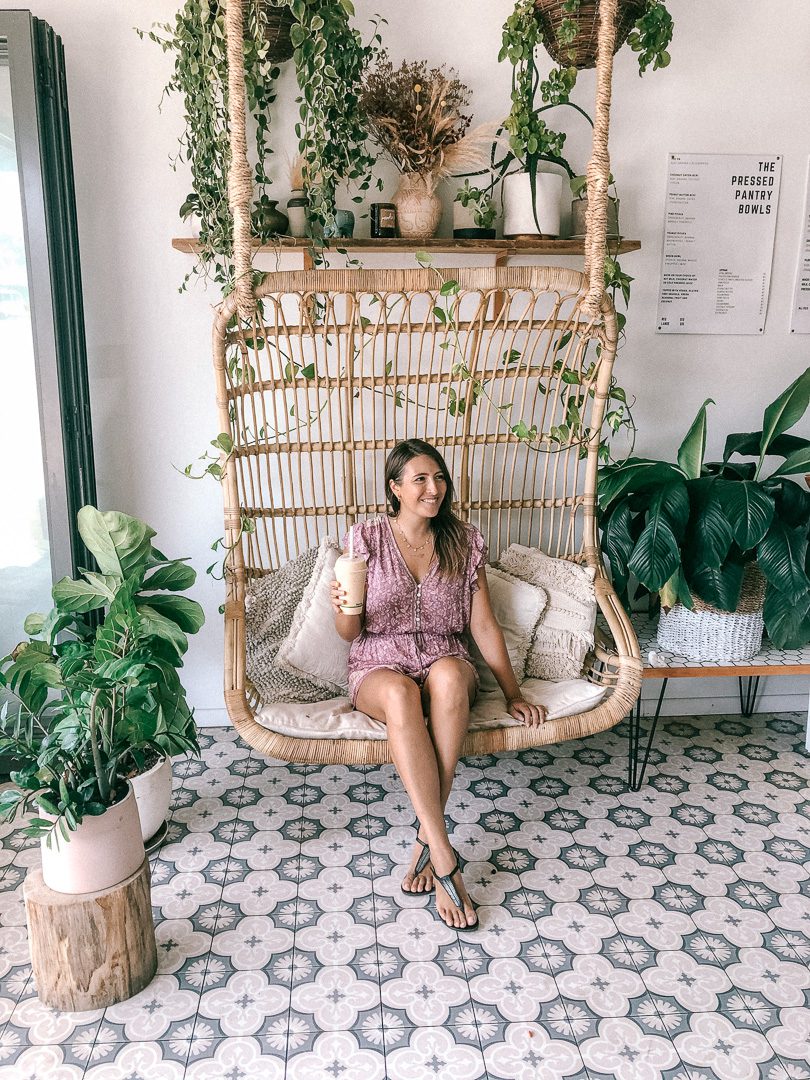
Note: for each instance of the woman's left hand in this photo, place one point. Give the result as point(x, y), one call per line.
point(529, 715)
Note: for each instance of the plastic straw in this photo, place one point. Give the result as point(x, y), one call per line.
point(351, 543)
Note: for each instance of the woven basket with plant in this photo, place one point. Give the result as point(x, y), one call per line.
point(277, 23)
point(693, 529)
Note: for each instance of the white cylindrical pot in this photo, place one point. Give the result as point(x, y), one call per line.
point(518, 215)
point(153, 794)
point(103, 851)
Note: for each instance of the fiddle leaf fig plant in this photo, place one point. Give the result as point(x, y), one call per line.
point(689, 528)
point(92, 697)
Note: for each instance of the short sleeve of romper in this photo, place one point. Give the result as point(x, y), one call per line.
point(362, 539)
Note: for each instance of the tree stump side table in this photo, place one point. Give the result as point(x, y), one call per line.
point(90, 950)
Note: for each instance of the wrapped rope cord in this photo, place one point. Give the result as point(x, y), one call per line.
point(240, 182)
point(599, 165)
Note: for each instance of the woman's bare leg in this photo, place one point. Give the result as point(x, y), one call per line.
point(396, 701)
point(448, 692)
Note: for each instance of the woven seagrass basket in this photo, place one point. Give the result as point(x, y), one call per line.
point(278, 23)
point(711, 635)
point(581, 52)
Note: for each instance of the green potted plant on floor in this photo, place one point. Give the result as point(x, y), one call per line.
point(702, 535)
point(97, 701)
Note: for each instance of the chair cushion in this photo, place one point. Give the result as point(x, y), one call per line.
point(564, 633)
point(336, 719)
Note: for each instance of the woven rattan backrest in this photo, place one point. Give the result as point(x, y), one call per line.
point(339, 365)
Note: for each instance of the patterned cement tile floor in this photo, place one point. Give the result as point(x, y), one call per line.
point(636, 936)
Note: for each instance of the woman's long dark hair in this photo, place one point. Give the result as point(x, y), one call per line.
point(450, 535)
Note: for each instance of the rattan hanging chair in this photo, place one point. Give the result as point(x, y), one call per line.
point(320, 372)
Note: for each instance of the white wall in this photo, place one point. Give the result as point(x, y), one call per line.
point(739, 81)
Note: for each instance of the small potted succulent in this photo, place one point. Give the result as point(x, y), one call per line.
point(579, 210)
point(473, 214)
point(724, 546)
point(98, 700)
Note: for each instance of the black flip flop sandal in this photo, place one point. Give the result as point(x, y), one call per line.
point(452, 892)
point(421, 863)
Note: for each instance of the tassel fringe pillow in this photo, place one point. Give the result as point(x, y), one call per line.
point(564, 633)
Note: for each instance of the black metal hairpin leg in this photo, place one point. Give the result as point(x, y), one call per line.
point(636, 766)
point(749, 686)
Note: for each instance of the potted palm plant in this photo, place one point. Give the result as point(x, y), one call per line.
point(94, 698)
point(707, 537)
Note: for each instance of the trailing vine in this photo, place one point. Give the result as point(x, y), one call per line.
point(330, 130)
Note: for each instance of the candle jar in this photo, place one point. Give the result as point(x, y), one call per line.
point(383, 220)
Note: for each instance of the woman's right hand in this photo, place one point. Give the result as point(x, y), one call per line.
point(338, 596)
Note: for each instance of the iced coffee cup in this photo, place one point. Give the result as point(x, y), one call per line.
point(350, 573)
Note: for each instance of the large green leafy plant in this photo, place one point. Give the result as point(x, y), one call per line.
point(94, 696)
point(689, 529)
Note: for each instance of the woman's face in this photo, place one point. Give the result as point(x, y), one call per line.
point(422, 487)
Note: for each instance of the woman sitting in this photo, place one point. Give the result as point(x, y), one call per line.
point(426, 588)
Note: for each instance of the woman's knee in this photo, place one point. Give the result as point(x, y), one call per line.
point(401, 700)
point(450, 681)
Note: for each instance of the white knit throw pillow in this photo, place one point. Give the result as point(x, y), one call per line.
point(517, 605)
point(564, 634)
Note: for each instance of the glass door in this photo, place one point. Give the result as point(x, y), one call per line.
point(45, 440)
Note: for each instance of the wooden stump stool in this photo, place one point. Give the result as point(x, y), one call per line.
point(90, 950)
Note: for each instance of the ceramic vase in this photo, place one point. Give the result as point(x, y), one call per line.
point(104, 850)
point(419, 208)
point(519, 218)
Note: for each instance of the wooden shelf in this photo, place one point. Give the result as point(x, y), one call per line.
point(501, 249)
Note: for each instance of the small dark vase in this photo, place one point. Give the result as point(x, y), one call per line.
point(267, 218)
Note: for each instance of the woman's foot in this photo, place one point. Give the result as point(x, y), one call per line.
point(454, 916)
point(421, 882)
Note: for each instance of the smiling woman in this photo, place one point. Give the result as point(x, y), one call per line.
point(409, 658)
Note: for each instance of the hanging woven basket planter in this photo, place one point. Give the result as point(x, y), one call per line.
point(278, 24)
point(581, 51)
point(708, 634)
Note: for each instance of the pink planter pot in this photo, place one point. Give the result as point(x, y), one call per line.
point(103, 851)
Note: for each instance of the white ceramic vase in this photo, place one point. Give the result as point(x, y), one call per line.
point(419, 208)
point(153, 794)
point(519, 218)
point(103, 851)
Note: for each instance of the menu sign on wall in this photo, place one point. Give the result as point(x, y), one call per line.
point(718, 243)
point(800, 317)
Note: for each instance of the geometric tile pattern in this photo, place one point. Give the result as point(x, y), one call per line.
point(662, 934)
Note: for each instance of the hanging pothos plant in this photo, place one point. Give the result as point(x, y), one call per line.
point(329, 58)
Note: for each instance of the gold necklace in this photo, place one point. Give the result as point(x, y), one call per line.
point(407, 541)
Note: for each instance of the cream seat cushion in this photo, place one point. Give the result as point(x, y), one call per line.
point(336, 719)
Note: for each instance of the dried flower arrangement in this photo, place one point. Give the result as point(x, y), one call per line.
point(416, 114)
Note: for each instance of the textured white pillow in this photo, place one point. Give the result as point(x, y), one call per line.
point(314, 649)
point(517, 606)
point(564, 634)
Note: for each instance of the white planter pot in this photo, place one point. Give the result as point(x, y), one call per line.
point(103, 851)
point(518, 217)
point(153, 794)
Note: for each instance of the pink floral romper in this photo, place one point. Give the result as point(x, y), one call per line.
point(409, 625)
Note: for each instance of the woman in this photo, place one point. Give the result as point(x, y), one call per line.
point(426, 587)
